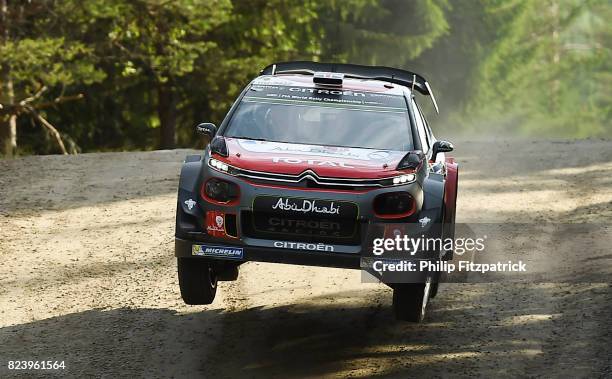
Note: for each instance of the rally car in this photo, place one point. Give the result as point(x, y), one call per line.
point(311, 161)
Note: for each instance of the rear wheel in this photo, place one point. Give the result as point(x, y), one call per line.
point(197, 280)
point(410, 300)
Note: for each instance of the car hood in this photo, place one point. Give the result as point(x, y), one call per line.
point(325, 161)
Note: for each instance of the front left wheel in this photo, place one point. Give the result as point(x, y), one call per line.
point(197, 280)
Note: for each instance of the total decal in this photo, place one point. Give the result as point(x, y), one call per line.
point(215, 224)
point(312, 162)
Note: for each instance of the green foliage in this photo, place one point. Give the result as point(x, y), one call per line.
point(145, 66)
point(547, 72)
point(390, 32)
point(49, 61)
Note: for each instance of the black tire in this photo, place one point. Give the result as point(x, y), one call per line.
point(434, 290)
point(410, 301)
point(197, 281)
point(435, 285)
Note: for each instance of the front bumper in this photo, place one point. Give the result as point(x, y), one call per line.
point(184, 249)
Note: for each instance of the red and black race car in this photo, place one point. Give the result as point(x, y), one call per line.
point(313, 161)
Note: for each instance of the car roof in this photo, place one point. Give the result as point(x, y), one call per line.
point(366, 85)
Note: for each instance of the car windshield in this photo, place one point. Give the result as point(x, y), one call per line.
point(333, 118)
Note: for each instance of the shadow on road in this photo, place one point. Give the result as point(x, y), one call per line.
point(473, 330)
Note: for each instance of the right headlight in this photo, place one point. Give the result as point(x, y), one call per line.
point(404, 179)
point(399, 180)
point(220, 191)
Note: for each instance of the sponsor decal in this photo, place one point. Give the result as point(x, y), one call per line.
point(190, 204)
point(424, 221)
point(320, 225)
point(319, 151)
point(318, 91)
point(290, 91)
point(266, 81)
point(312, 162)
point(274, 205)
point(393, 230)
point(303, 246)
point(215, 223)
point(306, 206)
point(305, 227)
point(228, 252)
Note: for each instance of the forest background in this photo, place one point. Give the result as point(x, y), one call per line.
point(114, 75)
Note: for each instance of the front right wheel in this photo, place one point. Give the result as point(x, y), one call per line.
point(410, 300)
point(197, 280)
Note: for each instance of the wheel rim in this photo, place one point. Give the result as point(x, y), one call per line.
point(426, 290)
point(212, 278)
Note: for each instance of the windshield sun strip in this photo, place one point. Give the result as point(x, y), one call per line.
point(341, 106)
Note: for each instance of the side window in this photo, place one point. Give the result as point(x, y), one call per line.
point(430, 136)
point(420, 127)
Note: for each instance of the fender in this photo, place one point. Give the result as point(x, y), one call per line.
point(433, 195)
point(187, 217)
point(190, 173)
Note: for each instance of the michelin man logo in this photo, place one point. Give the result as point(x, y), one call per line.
point(424, 221)
point(190, 204)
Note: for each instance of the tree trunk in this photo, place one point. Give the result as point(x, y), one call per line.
point(556, 57)
point(166, 111)
point(8, 123)
point(8, 136)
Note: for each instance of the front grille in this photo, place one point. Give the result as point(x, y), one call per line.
point(308, 179)
point(278, 226)
point(308, 183)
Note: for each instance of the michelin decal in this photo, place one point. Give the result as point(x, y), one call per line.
point(217, 251)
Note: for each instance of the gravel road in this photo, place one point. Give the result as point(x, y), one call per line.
point(87, 276)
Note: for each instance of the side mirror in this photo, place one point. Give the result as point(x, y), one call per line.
point(440, 147)
point(207, 129)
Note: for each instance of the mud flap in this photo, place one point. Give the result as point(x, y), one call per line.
point(450, 202)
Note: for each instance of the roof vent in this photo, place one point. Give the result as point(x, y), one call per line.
point(328, 78)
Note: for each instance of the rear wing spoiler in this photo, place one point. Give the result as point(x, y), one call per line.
point(388, 74)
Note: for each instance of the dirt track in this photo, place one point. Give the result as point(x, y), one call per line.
point(87, 275)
